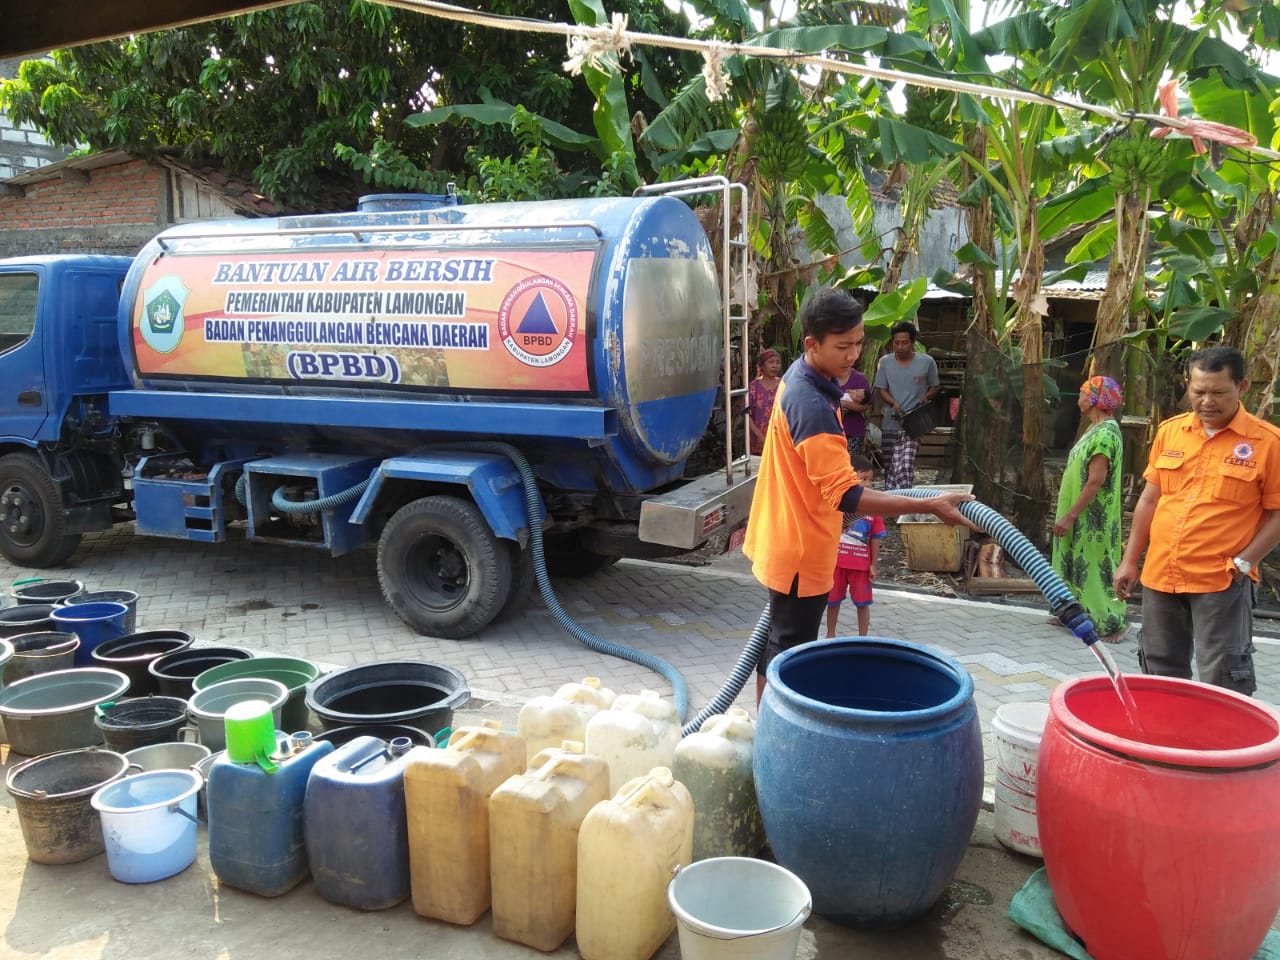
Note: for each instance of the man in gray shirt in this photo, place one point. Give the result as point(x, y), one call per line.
point(904, 379)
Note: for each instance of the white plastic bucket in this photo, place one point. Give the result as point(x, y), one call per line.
point(1016, 825)
point(149, 824)
point(738, 908)
point(1018, 728)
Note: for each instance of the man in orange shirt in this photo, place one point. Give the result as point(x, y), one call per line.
point(1209, 513)
point(806, 483)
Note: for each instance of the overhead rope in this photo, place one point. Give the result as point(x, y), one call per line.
point(591, 44)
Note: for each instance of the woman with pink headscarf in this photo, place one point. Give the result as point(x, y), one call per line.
point(761, 392)
point(1087, 543)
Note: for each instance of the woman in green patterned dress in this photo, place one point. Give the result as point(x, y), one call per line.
point(1087, 543)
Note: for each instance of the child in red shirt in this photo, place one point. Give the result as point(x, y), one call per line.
point(857, 560)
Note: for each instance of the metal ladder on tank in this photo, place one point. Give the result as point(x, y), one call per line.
point(734, 287)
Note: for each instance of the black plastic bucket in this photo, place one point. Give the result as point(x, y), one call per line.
point(919, 421)
point(175, 671)
point(26, 592)
point(410, 692)
point(51, 794)
point(26, 618)
point(133, 653)
point(40, 652)
point(140, 721)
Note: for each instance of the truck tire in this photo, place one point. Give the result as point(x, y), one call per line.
point(567, 557)
point(32, 521)
point(441, 568)
point(522, 578)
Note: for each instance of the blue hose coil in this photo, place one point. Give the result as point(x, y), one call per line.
point(331, 502)
point(1061, 601)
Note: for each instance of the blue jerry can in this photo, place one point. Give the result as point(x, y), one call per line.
point(256, 839)
point(357, 834)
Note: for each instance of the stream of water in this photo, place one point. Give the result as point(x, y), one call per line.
point(1122, 689)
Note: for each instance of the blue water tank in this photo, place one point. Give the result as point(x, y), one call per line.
point(256, 837)
point(356, 830)
point(868, 769)
point(611, 303)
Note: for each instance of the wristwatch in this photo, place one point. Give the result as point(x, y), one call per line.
point(1244, 566)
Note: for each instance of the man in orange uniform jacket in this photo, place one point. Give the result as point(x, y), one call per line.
point(806, 483)
point(1209, 513)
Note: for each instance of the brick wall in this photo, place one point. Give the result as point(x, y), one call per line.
point(113, 209)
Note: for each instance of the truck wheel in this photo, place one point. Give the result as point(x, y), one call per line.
point(521, 579)
point(442, 569)
point(32, 522)
point(566, 557)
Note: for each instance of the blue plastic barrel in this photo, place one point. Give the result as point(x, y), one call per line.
point(868, 769)
point(93, 623)
point(256, 839)
point(356, 830)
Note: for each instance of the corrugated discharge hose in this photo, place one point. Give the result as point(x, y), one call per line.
point(535, 511)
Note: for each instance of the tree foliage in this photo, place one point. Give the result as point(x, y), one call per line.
point(293, 94)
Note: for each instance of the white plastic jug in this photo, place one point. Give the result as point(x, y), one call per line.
point(628, 849)
point(715, 764)
point(534, 818)
point(547, 722)
point(446, 794)
point(639, 732)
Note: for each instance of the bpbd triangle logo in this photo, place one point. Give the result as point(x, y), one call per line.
point(538, 321)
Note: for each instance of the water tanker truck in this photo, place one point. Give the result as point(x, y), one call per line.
point(324, 381)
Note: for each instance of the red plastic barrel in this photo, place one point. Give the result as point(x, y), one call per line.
point(1164, 846)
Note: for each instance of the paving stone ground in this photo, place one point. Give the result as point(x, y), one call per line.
point(288, 600)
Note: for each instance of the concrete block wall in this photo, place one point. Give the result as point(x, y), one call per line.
point(22, 148)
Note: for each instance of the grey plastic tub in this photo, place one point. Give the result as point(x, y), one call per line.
point(53, 711)
point(208, 707)
point(26, 618)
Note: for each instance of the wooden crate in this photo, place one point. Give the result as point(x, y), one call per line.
point(930, 545)
point(933, 547)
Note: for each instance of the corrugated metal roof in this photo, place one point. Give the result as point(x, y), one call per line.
point(1090, 287)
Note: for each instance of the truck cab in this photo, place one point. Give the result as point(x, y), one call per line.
point(59, 473)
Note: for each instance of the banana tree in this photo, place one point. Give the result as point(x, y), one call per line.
point(1011, 171)
point(1246, 220)
point(778, 131)
point(1117, 52)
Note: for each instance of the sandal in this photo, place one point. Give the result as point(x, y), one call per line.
point(1117, 636)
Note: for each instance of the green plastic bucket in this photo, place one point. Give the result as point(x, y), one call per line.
point(294, 672)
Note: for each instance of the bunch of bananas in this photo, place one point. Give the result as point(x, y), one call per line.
point(1136, 161)
point(780, 142)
